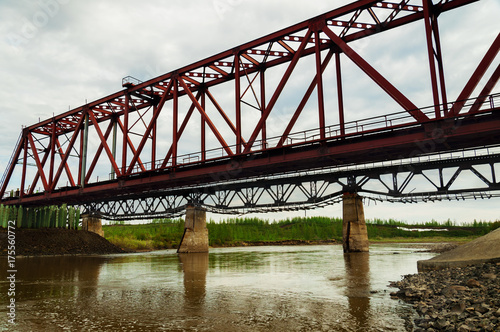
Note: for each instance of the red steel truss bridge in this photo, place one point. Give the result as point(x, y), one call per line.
point(267, 126)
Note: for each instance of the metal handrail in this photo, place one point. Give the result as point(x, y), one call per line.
point(334, 131)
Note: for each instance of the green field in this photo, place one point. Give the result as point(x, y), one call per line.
point(167, 233)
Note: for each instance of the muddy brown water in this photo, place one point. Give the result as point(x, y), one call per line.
point(285, 288)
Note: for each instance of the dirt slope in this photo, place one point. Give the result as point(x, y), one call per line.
point(55, 241)
point(483, 249)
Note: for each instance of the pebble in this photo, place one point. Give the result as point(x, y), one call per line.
point(455, 299)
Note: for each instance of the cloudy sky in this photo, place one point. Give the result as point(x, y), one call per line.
point(57, 54)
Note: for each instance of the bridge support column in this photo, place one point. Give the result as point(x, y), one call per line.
point(92, 223)
point(354, 232)
point(195, 238)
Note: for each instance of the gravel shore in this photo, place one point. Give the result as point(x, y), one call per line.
point(455, 299)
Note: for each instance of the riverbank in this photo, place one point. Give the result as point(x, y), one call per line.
point(455, 299)
point(57, 241)
point(166, 233)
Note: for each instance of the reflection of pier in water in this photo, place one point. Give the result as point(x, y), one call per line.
point(195, 268)
point(357, 271)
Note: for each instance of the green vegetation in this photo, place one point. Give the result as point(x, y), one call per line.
point(166, 233)
point(237, 230)
point(161, 234)
point(40, 217)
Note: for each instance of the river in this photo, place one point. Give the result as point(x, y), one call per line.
point(282, 288)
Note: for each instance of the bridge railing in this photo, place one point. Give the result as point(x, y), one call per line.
point(350, 129)
point(383, 122)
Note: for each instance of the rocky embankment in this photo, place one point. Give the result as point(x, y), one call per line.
point(455, 299)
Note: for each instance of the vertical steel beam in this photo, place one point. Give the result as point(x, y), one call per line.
point(175, 116)
point(203, 128)
point(25, 163)
point(153, 141)
point(439, 57)
point(125, 132)
point(434, 54)
point(83, 157)
point(237, 93)
point(319, 85)
point(263, 106)
point(340, 96)
point(113, 148)
point(52, 152)
point(428, 18)
point(80, 155)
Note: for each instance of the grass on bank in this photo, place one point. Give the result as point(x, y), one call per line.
point(167, 233)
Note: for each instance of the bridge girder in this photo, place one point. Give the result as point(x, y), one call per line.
point(435, 177)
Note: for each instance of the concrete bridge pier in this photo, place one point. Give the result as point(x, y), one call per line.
point(195, 238)
point(92, 222)
point(354, 232)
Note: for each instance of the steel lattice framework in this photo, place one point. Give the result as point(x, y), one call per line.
point(133, 151)
point(423, 179)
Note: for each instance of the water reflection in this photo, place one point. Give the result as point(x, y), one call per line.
point(195, 268)
point(357, 273)
point(58, 276)
point(314, 288)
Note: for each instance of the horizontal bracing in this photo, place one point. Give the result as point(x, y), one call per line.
point(474, 175)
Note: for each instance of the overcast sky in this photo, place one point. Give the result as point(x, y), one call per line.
point(57, 54)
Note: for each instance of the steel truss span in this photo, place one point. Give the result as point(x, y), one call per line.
point(256, 111)
point(427, 178)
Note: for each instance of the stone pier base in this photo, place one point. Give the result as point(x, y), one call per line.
point(92, 223)
point(354, 232)
point(195, 238)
